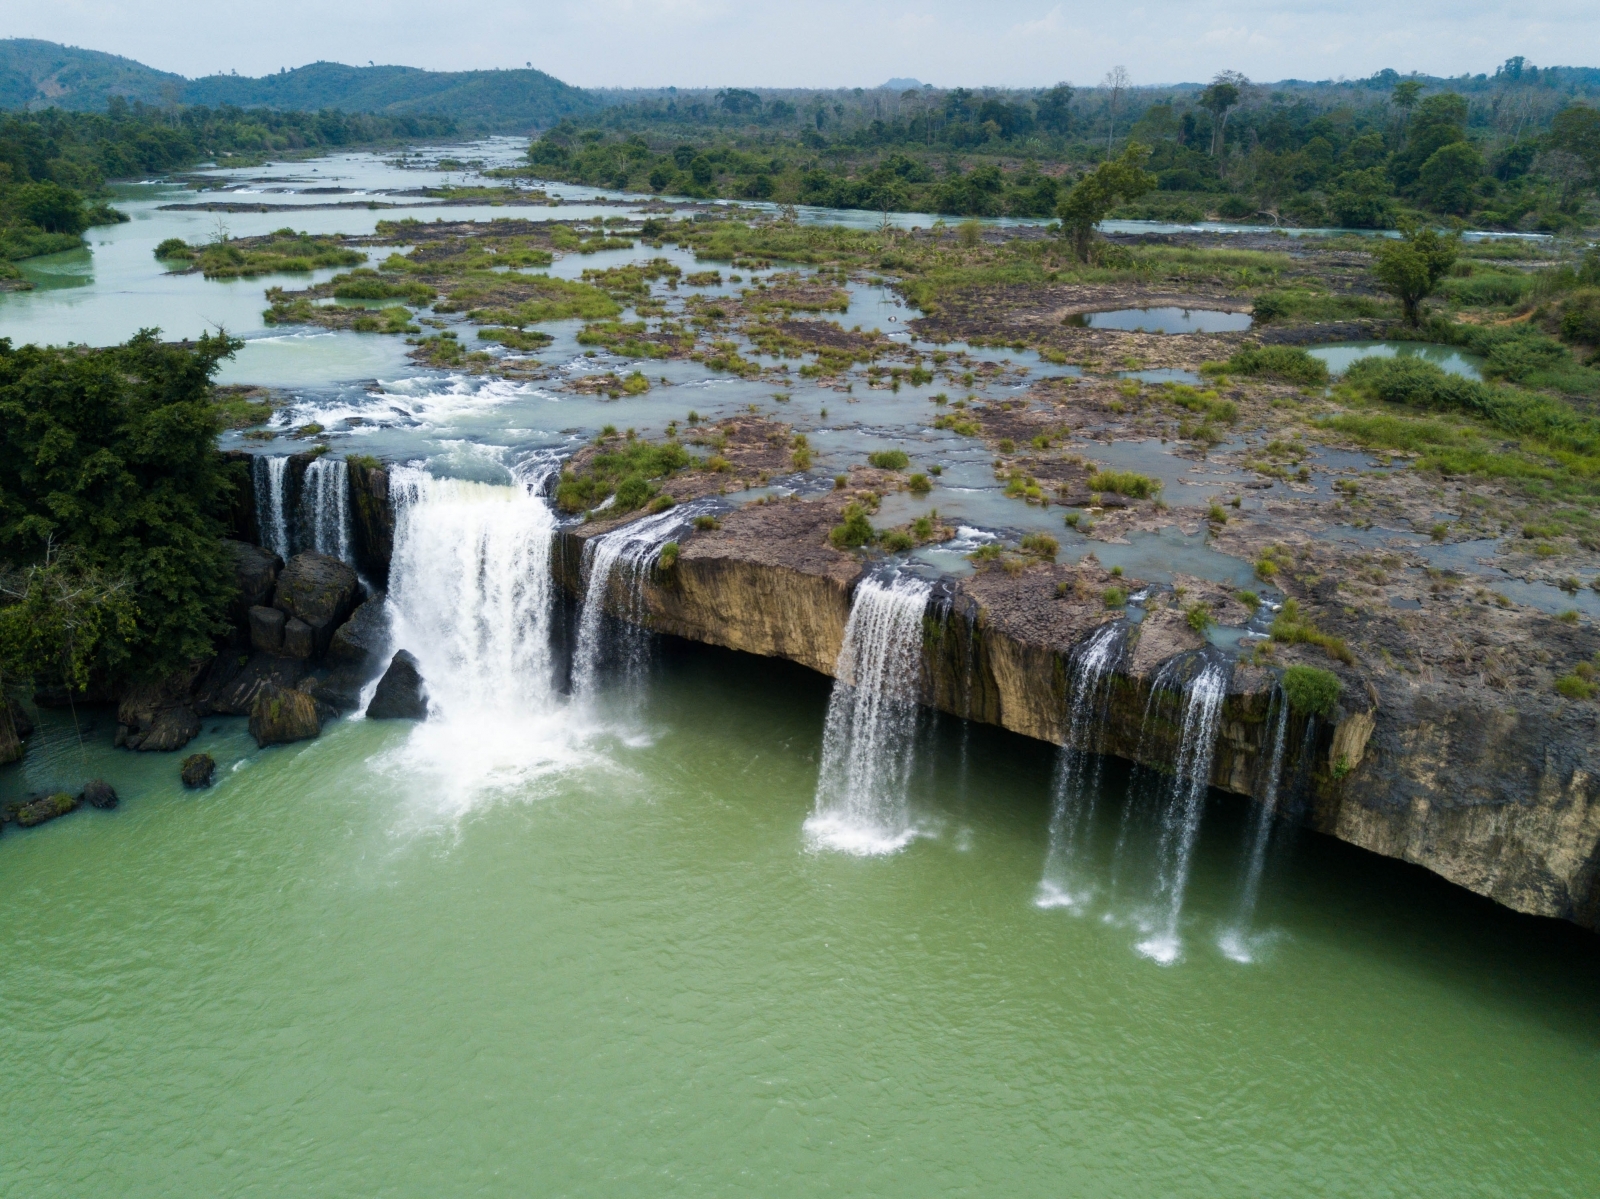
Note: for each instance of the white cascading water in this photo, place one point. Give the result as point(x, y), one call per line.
point(268, 474)
point(325, 507)
point(1235, 942)
point(472, 596)
point(1180, 825)
point(622, 558)
point(1078, 764)
point(869, 739)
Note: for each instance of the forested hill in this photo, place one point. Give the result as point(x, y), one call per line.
point(37, 74)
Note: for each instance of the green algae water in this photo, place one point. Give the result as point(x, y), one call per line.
point(624, 973)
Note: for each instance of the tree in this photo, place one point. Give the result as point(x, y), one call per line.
point(1055, 109)
point(1094, 195)
point(1448, 177)
point(1117, 80)
point(1575, 130)
point(112, 452)
point(1224, 93)
point(1405, 96)
point(61, 617)
point(1410, 268)
point(53, 208)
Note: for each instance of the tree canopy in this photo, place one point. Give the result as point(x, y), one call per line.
point(1094, 195)
point(110, 484)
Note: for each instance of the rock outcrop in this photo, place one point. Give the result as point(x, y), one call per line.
point(401, 694)
point(371, 519)
point(161, 715)
point(99, 794)
point(198, 770)
point(282, 715)
point(1506, 804)
point(318, 590)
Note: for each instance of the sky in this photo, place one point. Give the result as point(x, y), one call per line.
point(829, 43)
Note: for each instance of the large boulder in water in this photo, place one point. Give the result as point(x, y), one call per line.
point(198, 770)
point(234, 680)
point(400, 694)
point(161, 715)
point(99, 794)
point(282, 715)
point(360, 640)
point(321, 591)
point(266, 629)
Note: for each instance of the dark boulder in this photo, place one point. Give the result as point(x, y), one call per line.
point(282, 715)
point(255, 573)
point(400, 694)
point(298, 639)
point(371, 519)
point(266, 629)
point(319, 590)
point(198, 770)
point(37, 811)
point(231, 685)
point(161, 715)
point(362, 639)
point(99, 794)
point(15, 728)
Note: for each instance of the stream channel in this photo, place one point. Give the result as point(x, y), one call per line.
point(613, 943)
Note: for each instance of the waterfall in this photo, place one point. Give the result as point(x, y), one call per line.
point(325, 507)
point(268, 474)
point(870, 733)
point(623, 556)
point(1180, 824)
point(471, 592)
point(1234, 942)
point(1077, 774)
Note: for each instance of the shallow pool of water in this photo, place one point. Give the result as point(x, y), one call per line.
point(1162, 320)
point(1340, 355)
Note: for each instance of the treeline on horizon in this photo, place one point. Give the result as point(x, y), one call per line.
point(1516, 150)
point(54, 164)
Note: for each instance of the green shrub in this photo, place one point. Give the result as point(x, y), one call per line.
point(856, 530)
point(889, 459)
point(897, 542)
point(1199, 617)
point(1040, 544)
point(174, 248)
point(919, 484)
point(668, 558)
point(1124, 482)
point(1310, 690)
point(1114, 597)
point(1289, 363)
point(1575, 686)
point(1290, 627)
point(707, 523)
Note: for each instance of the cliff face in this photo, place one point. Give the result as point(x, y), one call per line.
point(1503, 803)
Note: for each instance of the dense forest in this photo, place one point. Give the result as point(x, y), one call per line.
point(1516, 150)
point(54, 163)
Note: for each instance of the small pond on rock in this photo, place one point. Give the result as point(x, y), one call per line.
point(1340, 354)
point(1162, 320)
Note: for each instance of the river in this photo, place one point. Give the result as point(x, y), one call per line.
point(589, 949)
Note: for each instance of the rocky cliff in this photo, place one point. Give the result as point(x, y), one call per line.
point(1503, 801)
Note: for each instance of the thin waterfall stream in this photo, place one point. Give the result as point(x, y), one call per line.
point(869, 737)
point(325, 507)
point(1202, 699)
point(1235, 941)
point(1078, 764)
point(269, 474)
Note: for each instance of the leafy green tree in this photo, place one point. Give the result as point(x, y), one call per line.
point(1447, 179)
point(112, 452)
point(62, 616)
point(1055, 109)
point(1219, 99)
point(1576, 130)
point(1410, 268)
point(53, 208)
point(1094, 195)
point(1405, 95)
point(1439, 121)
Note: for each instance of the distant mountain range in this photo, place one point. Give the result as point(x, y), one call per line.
point(37, 74)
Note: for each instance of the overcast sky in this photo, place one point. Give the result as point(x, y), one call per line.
point(829, 43)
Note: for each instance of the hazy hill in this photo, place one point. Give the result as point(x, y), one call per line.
point(36, 74)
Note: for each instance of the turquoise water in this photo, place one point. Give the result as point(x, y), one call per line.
point(332, 973)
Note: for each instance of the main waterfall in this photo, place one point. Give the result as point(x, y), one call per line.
point(472, 595)
point(870, 736)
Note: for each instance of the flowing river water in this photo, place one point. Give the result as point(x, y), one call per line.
point(586, 945)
